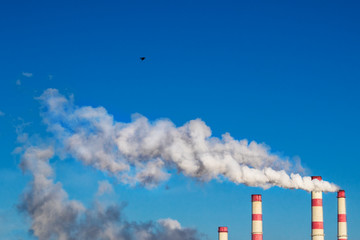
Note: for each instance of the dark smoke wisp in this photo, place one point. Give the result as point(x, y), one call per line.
point(55, 216)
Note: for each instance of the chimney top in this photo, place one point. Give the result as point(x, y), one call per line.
point(223, 229)
point(256, 198)
point(316, 177)
point(341, 194)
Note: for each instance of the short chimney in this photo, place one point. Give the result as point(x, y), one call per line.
point(342, 226)
point(256, 226)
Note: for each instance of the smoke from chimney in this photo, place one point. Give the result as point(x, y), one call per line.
point(55, 216)
point(142, 152)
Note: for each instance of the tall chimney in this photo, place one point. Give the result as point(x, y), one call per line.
point(317, 221)
point(342, 228)
point(223, 233)
point(256, 226)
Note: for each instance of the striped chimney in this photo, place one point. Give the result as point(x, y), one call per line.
point(256, 226)
point(223, 233)
point(342, 228)
point(317, 221)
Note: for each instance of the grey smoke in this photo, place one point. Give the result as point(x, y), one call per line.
point(144, 152)
point(55, 216)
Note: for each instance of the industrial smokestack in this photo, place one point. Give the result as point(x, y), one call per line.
point(256, 226)
point(223, 233)
point(342, 225)
point(317, 221)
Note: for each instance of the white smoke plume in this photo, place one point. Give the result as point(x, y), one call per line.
point(55, 216)
point(27, 74)
point(104, 187)
point(170, 223)
point(143, 152)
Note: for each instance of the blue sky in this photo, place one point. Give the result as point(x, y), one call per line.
point(283, 73)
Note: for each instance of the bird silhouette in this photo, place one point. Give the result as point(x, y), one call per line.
point(142, 58)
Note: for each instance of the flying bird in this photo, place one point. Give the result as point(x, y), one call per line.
point(142, 58)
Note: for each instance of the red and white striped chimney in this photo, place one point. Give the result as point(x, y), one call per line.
point(223, 233)
point(317, 220)
point(256, 226)
point(342, 226)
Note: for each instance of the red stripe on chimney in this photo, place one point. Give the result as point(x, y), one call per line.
point(256, 198)
point(317, 225)
point(257, 217)
point(341, 217)
point(316, 202)
point(316, 177)
point(341, 194)
point(257, 236)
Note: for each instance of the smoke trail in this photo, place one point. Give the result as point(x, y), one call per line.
point(143, 152)
point(54, 216)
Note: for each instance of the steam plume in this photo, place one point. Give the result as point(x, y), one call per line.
point(55, 216)
point(143, 152)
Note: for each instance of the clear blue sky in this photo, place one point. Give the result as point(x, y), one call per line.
point(281, 72)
